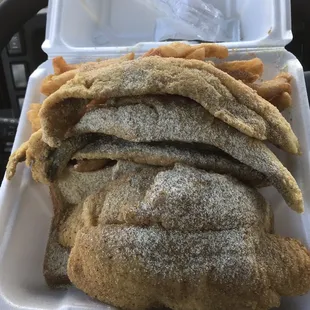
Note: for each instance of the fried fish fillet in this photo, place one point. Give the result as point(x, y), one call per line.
point(68, 194)
point(167, 156)
point(177, 119)
point(211, 270)
point(224, 97)
point(54, 81)
point(179, 198)
point(47, 164)
point(198, 255)
point(74, 187)
point(275, 87)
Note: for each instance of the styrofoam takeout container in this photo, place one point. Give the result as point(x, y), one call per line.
point(25, 206)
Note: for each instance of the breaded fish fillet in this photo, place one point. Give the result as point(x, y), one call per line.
point(171, 119)
point(185, 239)
point(47, 164)
point(224, 97)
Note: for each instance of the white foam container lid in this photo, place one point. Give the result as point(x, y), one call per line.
point(25, 206)
point(72, 25)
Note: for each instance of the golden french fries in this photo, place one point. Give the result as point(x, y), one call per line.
point(248, 71)
point(282, 101)
point(277, 91)
point(61, 66)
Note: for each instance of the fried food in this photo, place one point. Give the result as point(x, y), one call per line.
point(54, 81)
point(55, 262)
point(165, 118)
point(167, 156)
point(223, 273)
point(173, 197)
point(147, 162)
point(68, 194)
point(282, 101)
point(248, 71)
point(193, 239)
point(24, 153)
point(182, 50)
point(33, 116)
point(75, 186)
point(61, 66)
point(16, 157)
point(49, 164)
point(90, 164)
point(273, 88)
point(226, 98)
point(46, 162)
point(277, 91)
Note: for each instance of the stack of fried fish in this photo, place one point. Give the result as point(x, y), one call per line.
point(153, 165)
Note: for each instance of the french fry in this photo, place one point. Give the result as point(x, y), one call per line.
point(198, 54)
point(275, 87)
point(61, 66)
point(182, 50)
point(282, 101)
point(248, 71)
point(277, 91)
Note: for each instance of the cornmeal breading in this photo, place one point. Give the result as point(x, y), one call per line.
point(224, 97)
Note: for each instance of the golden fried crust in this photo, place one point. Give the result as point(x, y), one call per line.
point(62, 75)
point(193, 245)
point(184, 239)
point(18, 156)
point(167, 156)
point(179, 198)
point(26, 152)
point(159, 121)
point(275, 87)
point(185, 121)
point(208, 270)
point(223, 96)
point(48, 164)
point(90, 165)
